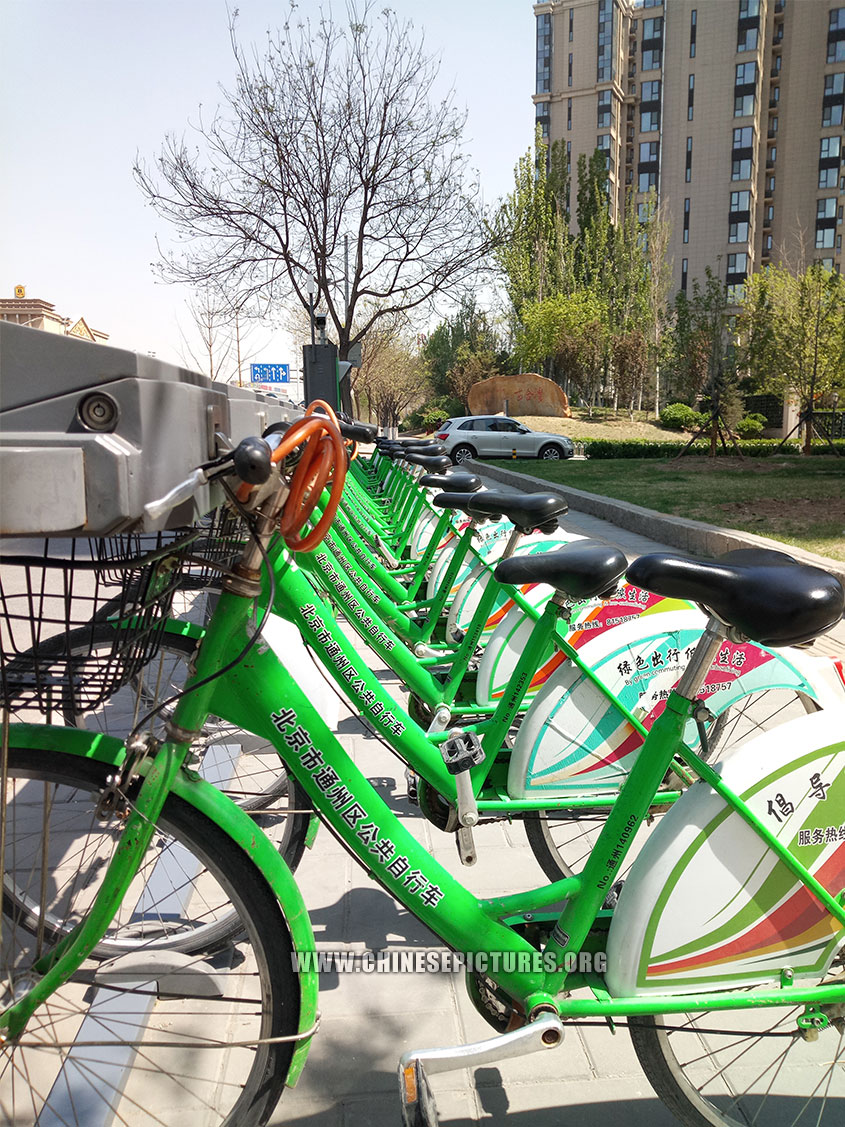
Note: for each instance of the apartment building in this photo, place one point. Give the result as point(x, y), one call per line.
point(732, 110)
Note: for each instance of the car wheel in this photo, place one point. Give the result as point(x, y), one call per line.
point(550, 452)
point(462, 454)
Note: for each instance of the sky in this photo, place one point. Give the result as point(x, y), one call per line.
point(89, 84)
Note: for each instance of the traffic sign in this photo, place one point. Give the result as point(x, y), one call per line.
point(269, 373)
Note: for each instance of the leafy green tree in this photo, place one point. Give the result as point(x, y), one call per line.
point(793, 330)
point(705, 353)
point(468, 326)
point(572, 330)
point(531, 227)
point(595, 231)
point(470, 366)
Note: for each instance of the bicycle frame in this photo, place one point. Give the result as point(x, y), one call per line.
point(262, 696)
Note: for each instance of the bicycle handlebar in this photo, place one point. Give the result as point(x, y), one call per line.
point(250, 461)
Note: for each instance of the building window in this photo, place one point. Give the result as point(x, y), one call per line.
point(690, 97)
point(688, 168)
point(646, 181)
point(741, 169)
point(738, 263)
point(693, 20)
point(743, 137)
point(746, 73)
point(828, 177)
point(649, 121)
point(568, 113)
point(569, 71)
point(767, 244)
point(604, 62)
point(769, 216)
point(829, 148)
point(744, 89)
point(746, 39)
point(748, 9)
point(740, 201)
point(773, 155)
point(824, 237)
point(650, 91)
point(571, 24)
point(738, 232)
point(686, 220)
point(776, 64)
point(834, 96)
point(770, 185)
point(649, 151)
point(653, 28)
point(651, 58)
point(541, 114)
point(684, 273)
point(836, 36)
point(544, 53)
point(605, 109)
point(826, 208)
point(773, 124)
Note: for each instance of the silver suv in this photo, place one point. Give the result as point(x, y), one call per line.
point(497, 436)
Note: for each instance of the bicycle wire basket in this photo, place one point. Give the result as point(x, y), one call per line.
point(79, 617)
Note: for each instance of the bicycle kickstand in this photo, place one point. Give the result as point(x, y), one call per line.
point(418, 1106)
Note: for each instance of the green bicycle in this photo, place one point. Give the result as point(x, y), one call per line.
point(763, 982)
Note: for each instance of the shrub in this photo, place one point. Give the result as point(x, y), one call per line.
point(430, 415)
point(679, 416)
point(750, 427)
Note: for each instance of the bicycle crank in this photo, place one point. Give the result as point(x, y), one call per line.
point(418, 1106)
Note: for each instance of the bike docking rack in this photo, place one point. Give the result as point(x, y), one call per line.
point(99, 431)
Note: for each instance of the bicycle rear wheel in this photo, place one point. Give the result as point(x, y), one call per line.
point(151, 1043)
point(744, 1067)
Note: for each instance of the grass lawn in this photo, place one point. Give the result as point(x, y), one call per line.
point(800, 501)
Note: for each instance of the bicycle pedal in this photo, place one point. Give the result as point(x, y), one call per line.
point(466, 845)
point(415, 1066)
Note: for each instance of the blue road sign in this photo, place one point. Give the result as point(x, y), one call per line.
point(269, 373)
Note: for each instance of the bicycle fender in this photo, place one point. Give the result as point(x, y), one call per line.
point(234, 822)
point(707, 905)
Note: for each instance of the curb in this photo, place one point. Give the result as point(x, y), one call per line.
point(692, 536)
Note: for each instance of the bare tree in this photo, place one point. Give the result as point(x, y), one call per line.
point(329, 159)
point(392, 377)
point(224, 337)
point(211, 352)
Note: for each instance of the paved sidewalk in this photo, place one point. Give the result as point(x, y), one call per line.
point(370, 1019)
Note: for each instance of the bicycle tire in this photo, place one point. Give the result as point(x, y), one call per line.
point(561, 840)
point(246, 993)
point(724, 1069)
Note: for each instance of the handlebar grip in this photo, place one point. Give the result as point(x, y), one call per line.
point(251, 460)
point(357, 431)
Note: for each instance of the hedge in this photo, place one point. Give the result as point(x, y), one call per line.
point(647, 448)
point(602, 448)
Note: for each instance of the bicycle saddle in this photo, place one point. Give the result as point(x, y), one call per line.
point(767, 596)
point(459, 482)
point(587, 569)
point(429, 451)
point(431, 462)
point(525, 510)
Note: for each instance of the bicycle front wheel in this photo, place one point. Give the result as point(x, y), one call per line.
point(744, 1067)
point(143, 1039)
